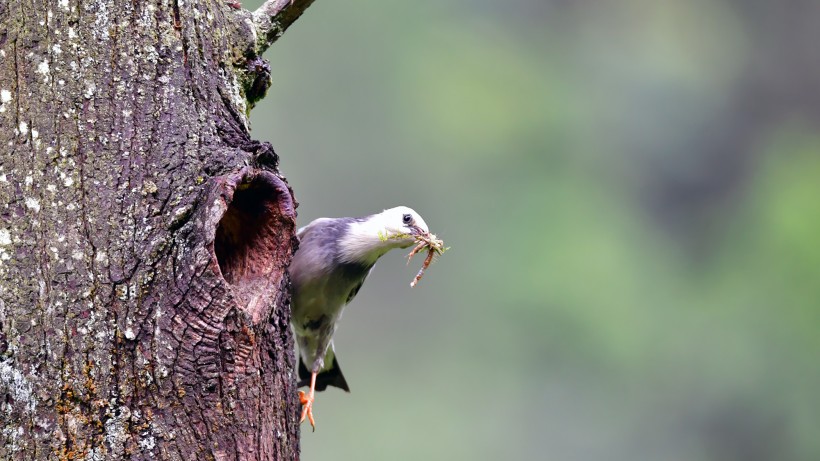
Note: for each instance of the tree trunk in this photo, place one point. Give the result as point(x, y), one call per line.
point(144, 236)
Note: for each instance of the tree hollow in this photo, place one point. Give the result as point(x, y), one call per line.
point(248, 239)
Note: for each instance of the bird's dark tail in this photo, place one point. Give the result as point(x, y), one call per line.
point(329, 377)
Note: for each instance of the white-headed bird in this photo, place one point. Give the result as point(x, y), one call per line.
point(335, 256)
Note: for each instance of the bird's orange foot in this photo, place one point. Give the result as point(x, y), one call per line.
point(307, 408)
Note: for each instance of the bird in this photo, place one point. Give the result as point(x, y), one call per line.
point(334, 257)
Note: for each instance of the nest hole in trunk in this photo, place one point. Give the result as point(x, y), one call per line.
point(248, 240)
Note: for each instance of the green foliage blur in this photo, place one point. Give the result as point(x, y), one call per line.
point(631, 191)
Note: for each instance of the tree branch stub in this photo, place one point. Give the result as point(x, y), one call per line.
point(274, 17)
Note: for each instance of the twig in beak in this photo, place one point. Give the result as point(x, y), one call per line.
point(434, 247)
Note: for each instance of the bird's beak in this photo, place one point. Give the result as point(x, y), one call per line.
point(416, 230)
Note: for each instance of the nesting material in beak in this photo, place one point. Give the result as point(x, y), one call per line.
point(435, 247)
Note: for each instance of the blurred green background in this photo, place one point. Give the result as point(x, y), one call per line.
point(631, 190)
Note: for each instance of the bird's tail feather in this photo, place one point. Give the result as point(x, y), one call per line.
point(328, 377)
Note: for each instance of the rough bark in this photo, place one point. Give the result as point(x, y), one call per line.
point(144, 235)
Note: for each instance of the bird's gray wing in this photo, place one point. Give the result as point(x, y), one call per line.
point(315, 224)
point(322, 285)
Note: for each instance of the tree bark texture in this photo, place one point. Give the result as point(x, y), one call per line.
point(144, 235)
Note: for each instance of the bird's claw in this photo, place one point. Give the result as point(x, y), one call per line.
point(307, 409)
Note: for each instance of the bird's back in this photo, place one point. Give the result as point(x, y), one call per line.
point(322, 284)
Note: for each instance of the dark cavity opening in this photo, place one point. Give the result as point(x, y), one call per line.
point(248, 239)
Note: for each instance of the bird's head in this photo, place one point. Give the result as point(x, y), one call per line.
point(399, 224)
point(370, 237)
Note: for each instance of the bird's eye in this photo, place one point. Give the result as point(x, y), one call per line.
point(407, 219)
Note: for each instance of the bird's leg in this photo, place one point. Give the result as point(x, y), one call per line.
point(307, 402)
